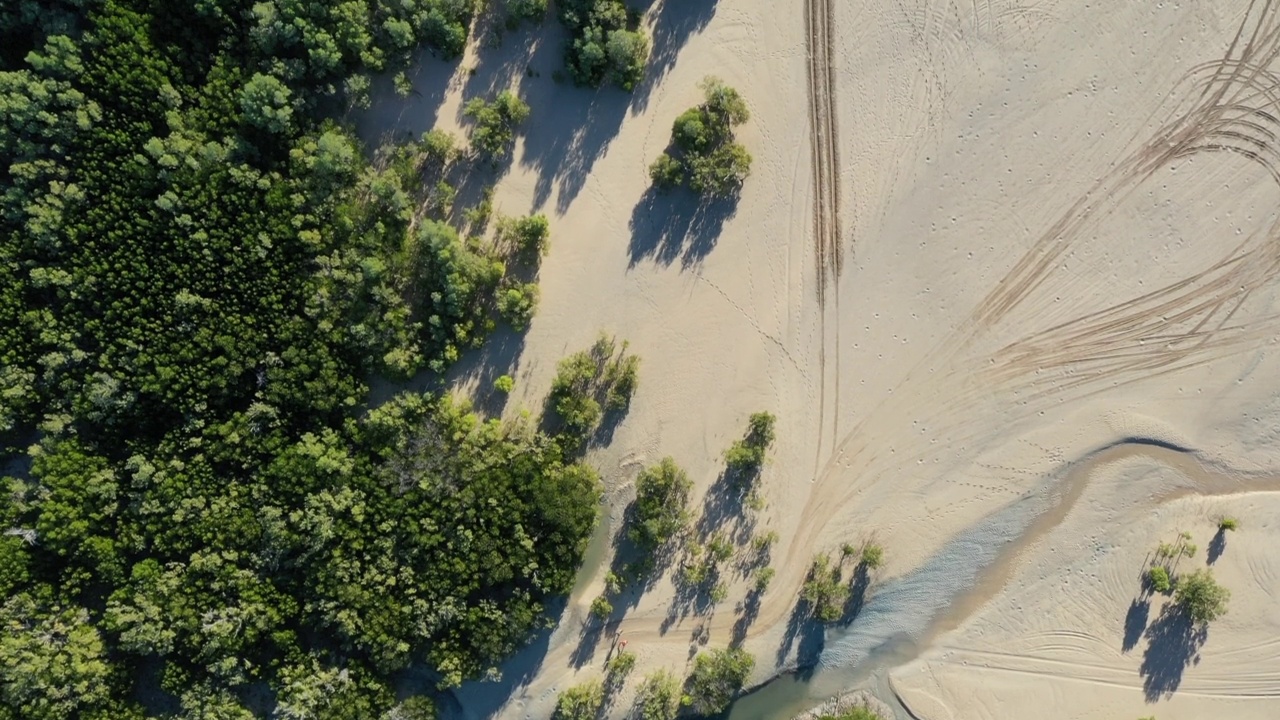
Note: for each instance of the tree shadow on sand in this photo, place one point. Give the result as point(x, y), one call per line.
point(667, 227)
point(673, 23)
point(1173, 644)
point(1217, 546)
point(804, 636)
point(1135, 623)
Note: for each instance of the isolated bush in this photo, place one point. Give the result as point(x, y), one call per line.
point(601, 607)
point(1200, 596)
point(747, 455)
point(705, 152)
point(824, 590)
point(764, 576)
point(662, 498)
point(495, 121)
point(1228, 523)
point(658, 697)
point(603, 373)
point(1158, 579)
point(858, 713)
point(580, 702)
point(504, 384)
point(621, 665)
point(872, 556)
point(717, 677)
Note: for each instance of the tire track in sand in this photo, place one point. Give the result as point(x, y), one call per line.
point(826, 216)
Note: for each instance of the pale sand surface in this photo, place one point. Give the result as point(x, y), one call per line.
point(1057, 223)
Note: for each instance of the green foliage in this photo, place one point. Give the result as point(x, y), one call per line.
point(55, 662)
point(580, 702)
point(764, 541)
point(747, 455)
point(416, 707)
point(532, 10)
point(857, 713)
point(1228, 523)
point(601, 607)
point(658, 697)
point(266, 103)
point(504, 384)
point(604, 43)
point(604, 373)
point(764, 576)
point(705, 153)
point(1200, 596)
point(824, 590)
point(525, 235)
point(1158, 579)
point(621, 664)
point(717, 677)
point(517, 303)
point(872, 556)
point(666, 172)
point(495, 121)
point(719, 592)
point(661, 506)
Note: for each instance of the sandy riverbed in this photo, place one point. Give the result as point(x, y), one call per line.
point(1057, 223)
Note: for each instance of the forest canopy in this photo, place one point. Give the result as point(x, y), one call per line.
point(198, 275)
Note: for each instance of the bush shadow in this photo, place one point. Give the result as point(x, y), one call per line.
point(673, 22)
point(679, 225)
point(1217, 546)
point(395, 118)
point(1135, 623)
point(483, 698)
point(805, 637)
point(1173, 644)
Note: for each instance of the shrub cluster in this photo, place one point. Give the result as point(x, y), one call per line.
point(605, 43)
point(496, 122)
point(825, 590)
point(589, 382)
point(717, 677)
point(661, 506)
point(704, 152)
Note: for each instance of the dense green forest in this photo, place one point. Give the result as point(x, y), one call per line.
point(198, 276)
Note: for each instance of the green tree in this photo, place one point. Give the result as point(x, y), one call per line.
point(580, 702)
point(495, 122)
point(1200, 596)
point(658, 697)
point(717, 677)
point(824, 590)
point(53, 662)
point(661, 506)
point(266, 103)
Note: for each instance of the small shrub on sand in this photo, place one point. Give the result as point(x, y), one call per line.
point(580, 702)
point(661, 507)
point(764, 576)
point(1228, 523)
point(872, 556)
point(824, 590)
point(1158, 579)
point(601, 607)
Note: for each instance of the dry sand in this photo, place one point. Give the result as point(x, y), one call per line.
point(1015, 234)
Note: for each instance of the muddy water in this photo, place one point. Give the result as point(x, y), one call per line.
point(905, 614)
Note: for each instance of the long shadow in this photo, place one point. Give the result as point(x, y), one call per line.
point(391, 117)
point(673, 23)
point(857, 594)
point(805, 636)
point(667, 227)
point(1135, 623)
point(1173, 644)
point(1217, 546)
point(749, 611)
point(483, 698)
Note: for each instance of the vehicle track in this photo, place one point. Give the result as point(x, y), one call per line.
point(826, 217)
